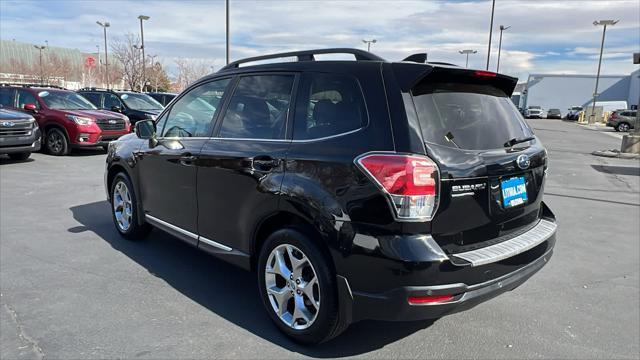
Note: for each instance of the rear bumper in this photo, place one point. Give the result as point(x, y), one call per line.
point(393, 275)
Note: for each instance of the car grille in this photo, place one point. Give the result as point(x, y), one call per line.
point(17, 128)
point(111, 124)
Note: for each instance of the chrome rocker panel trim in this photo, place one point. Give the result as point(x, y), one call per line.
point(155, 220)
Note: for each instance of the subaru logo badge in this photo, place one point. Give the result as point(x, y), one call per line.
point(8, 124)
point(112, 121)
point(523, 162)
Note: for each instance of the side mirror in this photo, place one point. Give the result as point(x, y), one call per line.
point(145, 129)
point(31, 107)
point(116, 108)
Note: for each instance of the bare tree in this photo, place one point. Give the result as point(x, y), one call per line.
point(190, 70)
point(130, 59)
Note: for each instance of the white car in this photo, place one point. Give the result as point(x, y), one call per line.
point(534, 112)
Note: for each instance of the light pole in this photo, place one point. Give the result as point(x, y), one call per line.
point(144, 60)
point(605, 23)
point(104, 26)
point(155, 75)
point(226, 8)
point(502, 28)
point(369, 42)
point(40, 48)
point(99, 64)
point(467, 52)
point(493, 6)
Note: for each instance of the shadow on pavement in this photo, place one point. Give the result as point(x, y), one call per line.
point(618, 170)
point(7, 160)
point(215, 285)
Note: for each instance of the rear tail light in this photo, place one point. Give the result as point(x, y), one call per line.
point(417, 300)
point(411, 183)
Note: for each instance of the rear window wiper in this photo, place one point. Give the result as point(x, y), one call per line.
point(514, 141)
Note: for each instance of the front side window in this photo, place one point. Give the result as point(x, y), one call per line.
point(25, 97)
point(258, 108)
point(111, 101)
point(93, 97)
point(467, 116)
point(329, 105)
point(138, 101)
point(65, 100)
point(6, 97)
point(192, 115)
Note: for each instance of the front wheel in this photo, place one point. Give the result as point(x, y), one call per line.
point(125, 209)
point(297, 287)
point(623, 127)
point(57, 143)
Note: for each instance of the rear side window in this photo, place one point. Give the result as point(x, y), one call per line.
point(329, 104)
point(258, 108)
point(93, 97)
point(468, 116)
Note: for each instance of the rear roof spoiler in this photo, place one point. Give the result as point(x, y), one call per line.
point(409, 75)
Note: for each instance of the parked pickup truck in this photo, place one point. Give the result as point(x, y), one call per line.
point(19, 134)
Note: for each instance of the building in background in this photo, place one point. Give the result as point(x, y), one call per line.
point(66, 67)
point(561, 91)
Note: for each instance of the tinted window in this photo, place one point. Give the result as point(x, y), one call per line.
point(471, 116)
point(193, 113)
point(258, 108)
point(93, 97)
point(328, 105)
point(111, 101)
point(138, 101)
point(25, 97)
point(6, 97)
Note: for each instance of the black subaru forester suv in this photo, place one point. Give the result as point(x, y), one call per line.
point(356, 190)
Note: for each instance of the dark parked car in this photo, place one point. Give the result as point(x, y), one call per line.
point(574, 112)
point(19, 133)
point(137, 106)
point(162, 98)
point(554, 114)
point(356, 190)
point(67, 119)
point(622, 120)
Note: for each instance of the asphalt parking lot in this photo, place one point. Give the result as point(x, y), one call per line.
point(72, 288)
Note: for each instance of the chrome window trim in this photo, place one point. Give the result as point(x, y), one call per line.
point(214, 243)
point(330, 136)
point(188, 233)
point(506, 249)
point(251, 139)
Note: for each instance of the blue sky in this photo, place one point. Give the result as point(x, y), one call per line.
point(545, 36)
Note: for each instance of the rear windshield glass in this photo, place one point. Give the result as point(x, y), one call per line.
point(467, 116)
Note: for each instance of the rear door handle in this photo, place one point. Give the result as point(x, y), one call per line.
point(264, 163)
point(187, 159)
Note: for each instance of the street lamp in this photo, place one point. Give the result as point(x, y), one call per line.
point(40, 48)
point(493, 6)
point(104, 26)
point(369, 42)
point(502, 28)
point(605, 23)
point(226, 24)
point(155, 75)
point(467, 52)
point(144, 60)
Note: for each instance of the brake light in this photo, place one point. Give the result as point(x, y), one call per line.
point(482, 73)
point(411, 182)
point(417, 300)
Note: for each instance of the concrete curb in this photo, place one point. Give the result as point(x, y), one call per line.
point(615, 154)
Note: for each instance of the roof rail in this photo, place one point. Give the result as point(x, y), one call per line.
point(308, 55)
point(104, 89)
point(34, 85)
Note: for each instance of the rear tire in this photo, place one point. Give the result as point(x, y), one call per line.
point(623, 127)
point(56, 142)
point(20, 156)
point(124, 209)
point(308, 315)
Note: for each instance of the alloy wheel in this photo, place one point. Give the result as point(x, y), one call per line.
point(292, 286)
point(122, 206)
point(623, 127)
point(54, 142)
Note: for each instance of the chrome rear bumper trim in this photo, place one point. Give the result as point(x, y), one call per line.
point(506, 249)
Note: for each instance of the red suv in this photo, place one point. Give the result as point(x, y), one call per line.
point(66, 118)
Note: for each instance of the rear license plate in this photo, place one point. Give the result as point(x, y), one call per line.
point(514, 191)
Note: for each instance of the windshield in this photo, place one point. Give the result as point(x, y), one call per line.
point(65, 100)
point(468, 116)
point(140, 102)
